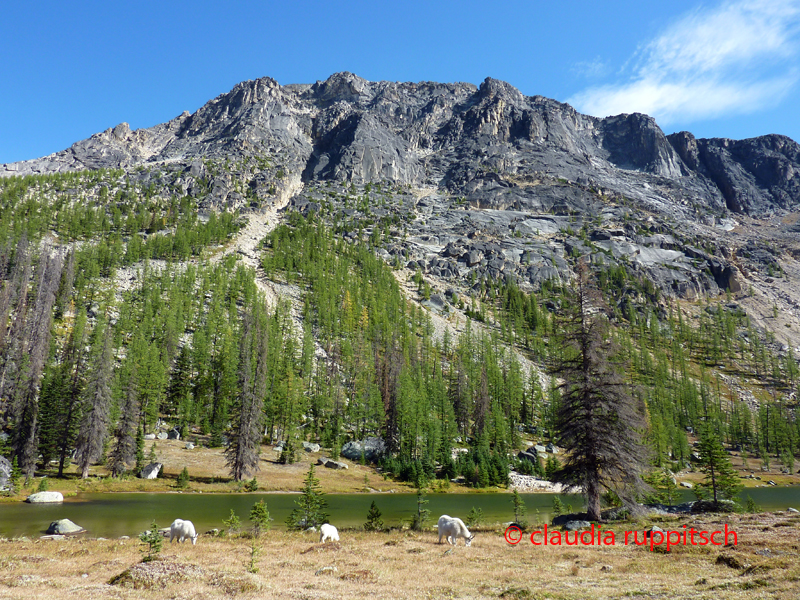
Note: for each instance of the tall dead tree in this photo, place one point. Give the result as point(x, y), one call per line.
point(248, 414)
point(599, 422)
point(34, 349)
point(96, 403)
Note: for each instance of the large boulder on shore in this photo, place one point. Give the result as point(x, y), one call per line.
point(371, 448)
point(151, 471)
point(45, 497)
point(63, 526)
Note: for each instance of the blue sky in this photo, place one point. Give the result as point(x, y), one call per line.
point(717, 69)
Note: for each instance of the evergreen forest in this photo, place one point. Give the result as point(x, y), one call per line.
point(122, 309)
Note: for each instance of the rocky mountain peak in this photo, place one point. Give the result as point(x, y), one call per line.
point(476, 142)
point(495, 88)
point(342, 86)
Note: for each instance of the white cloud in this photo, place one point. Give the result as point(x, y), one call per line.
point(735, 58)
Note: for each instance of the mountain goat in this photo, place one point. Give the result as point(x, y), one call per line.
point(182, 530)
point(328, 532)
point(453, 527)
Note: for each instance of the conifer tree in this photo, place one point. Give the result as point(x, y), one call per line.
point(311, 505)
point(721, 480)
point(242, 452)
point(124, 451)
point(374, 520)
point(96, 402)
point(599, 422)
point(35, 348)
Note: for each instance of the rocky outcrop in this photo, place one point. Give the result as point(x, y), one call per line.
point(754, 175)
point(45, 498)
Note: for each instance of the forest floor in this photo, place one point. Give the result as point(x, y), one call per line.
point(764, 563)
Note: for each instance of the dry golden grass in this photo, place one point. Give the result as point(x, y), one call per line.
point(402, 564)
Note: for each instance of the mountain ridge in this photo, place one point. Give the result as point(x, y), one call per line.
point(349, 129)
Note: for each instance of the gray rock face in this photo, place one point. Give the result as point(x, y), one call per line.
point(372, 449)
point(5, 472)
point(45, 497)
point(151, 471)
point(63, 526)
point(492, 145)
point(331, 464)
point(753, 175)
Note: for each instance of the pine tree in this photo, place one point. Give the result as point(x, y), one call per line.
point(153, 542)
point(599, 422)
point(310, 511)
point(259, 515)
point(721, 480)
point(96, 402)
point(124, 451)
point(374, 520)
point(519, 510)
point(183, 479)
point(423, 514)
point(34, 347)
point(242, 452)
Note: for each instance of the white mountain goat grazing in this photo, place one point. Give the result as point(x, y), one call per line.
point(453, 527)
point(328, 532)
point(182, 530)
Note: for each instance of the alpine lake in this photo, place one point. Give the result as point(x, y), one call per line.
point(112, 515)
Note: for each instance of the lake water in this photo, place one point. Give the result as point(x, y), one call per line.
point(114, 515)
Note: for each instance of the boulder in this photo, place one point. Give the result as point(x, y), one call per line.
point(372, 449)
point(45, 497)
point(473, 258)
point(310, 447)
point(189, 446)
point(540, 449)
point(5, 472)
point(686, 484)
point(162, 435)
point(529, 455)
point(63, 526)
point(150, 436)
point(552, 449)
point(703, 506)
point(174, 434)
point(151, 471)
point(331, 464)
point(792, 510)
point(576, 525)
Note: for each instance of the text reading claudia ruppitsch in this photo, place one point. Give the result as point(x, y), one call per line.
point(597, 536)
